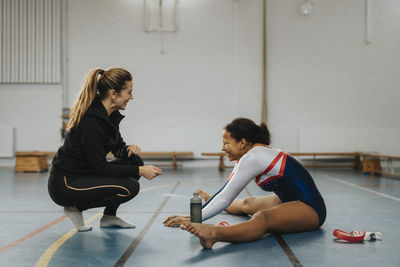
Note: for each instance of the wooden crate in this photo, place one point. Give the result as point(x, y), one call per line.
point(372, 165)
point(31, 161)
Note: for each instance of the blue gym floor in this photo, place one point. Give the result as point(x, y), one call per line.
point(34, 230)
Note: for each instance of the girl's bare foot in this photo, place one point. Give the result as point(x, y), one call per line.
point(206, 233)
point(204, 195)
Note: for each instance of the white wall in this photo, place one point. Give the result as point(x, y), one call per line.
point(183, 97)
point(321, 75)
point(34, 111)
point(326, 82)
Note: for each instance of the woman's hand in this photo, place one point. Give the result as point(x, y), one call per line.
point(133, 149)
point(176, 220)
point(149, 171)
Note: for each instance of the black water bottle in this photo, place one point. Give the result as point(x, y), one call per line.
point(195, 208)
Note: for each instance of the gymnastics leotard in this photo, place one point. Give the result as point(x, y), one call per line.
point(272, 170)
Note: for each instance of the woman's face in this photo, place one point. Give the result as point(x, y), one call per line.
point(232, 147)
point(122, 98)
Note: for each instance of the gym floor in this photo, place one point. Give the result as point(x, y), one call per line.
point(34, 230)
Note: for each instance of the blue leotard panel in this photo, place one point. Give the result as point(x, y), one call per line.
point(297, 184)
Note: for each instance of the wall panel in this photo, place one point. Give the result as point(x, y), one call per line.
point(30, 46)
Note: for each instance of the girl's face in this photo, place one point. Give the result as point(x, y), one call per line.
point(122, 98)
point(233, 149)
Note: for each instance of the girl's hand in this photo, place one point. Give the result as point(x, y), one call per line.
point(176, 220)
point(149, 171)
point(133, 149)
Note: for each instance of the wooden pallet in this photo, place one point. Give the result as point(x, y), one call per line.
point(31, 161)
point(374, 166)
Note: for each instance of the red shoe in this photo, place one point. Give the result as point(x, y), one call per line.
point(353, 236)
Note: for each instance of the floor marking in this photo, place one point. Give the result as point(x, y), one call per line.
point(380, 186)
point(247, 191)
point(155, 187)
point(30, 211)
point(142, 233)
point(176, 195)
point(22, 192)
point(48, 254)
point(285, 247)
point(30, 235)
point(361, 188)
point(289, 253)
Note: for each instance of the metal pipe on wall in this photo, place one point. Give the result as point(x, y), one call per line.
point(64, 52)
point(367, 37)
point(264, 115)
point(64, 58)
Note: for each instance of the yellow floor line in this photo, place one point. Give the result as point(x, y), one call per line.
point(48, 254)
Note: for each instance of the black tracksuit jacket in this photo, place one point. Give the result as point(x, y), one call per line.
point(87, 144)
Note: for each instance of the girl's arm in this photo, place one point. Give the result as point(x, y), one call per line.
point(247, 169)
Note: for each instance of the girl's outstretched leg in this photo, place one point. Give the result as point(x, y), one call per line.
point(204, 195)
point(247, 206)
point(208, 235)
point(294, 216)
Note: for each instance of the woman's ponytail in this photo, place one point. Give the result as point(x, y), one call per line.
point(85, 98)
point(263, 135)
point(245, 128)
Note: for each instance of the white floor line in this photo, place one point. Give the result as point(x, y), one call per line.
point(362, 188)
point(176, 195)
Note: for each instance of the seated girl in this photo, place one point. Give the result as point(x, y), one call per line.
point(296, 205)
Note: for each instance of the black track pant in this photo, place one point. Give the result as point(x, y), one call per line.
point(92, 191)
